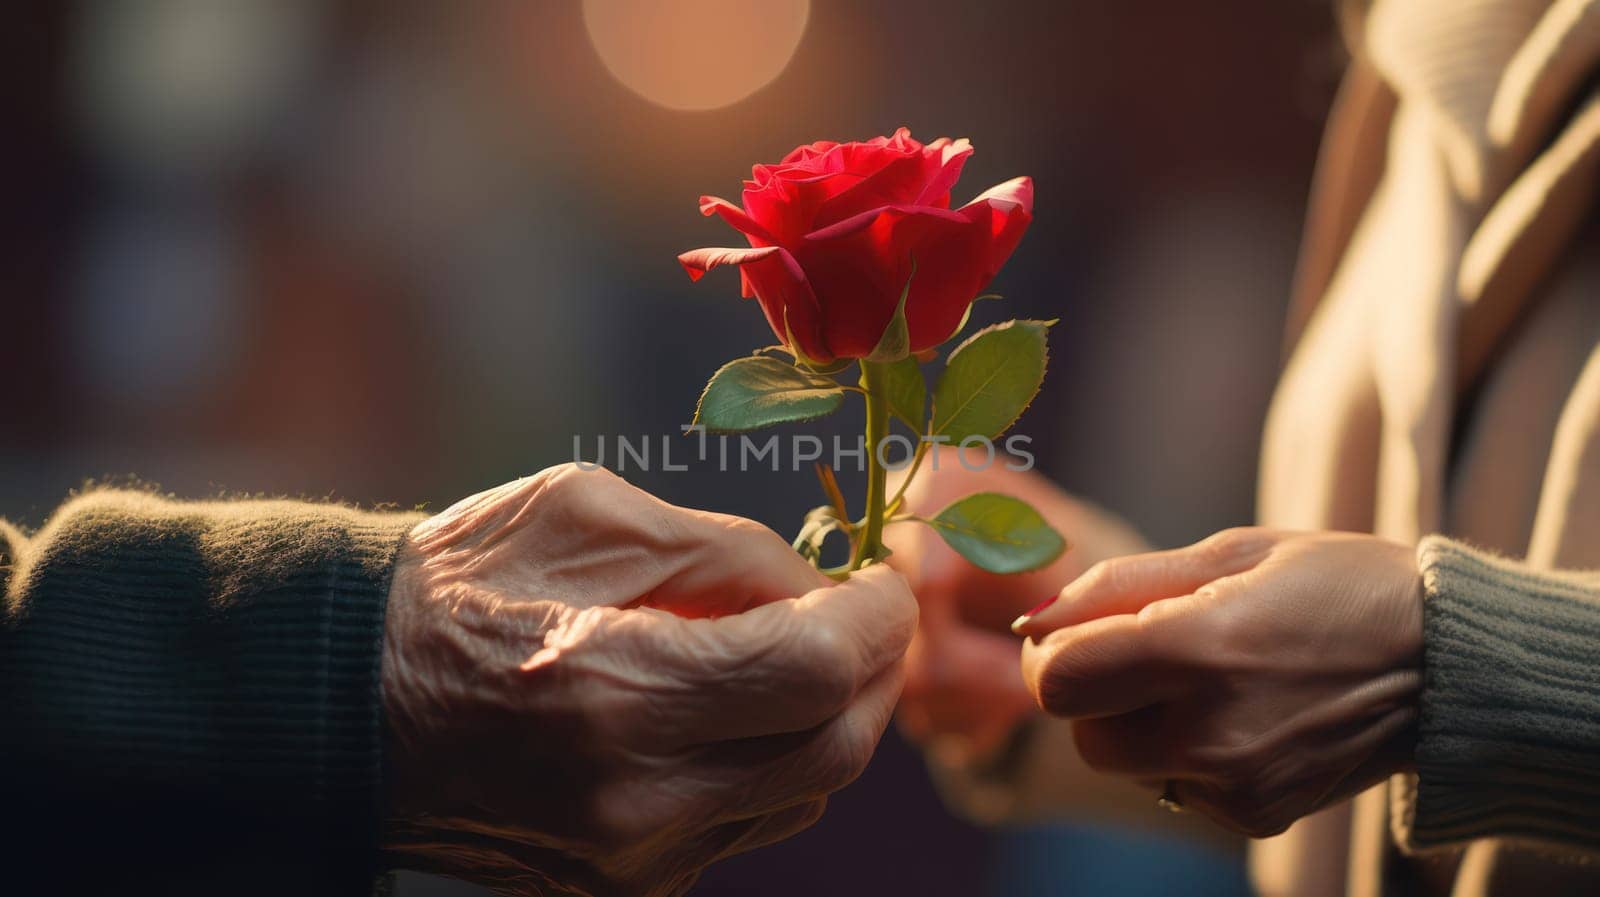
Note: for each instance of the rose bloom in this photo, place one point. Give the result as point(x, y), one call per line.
point(834, 230)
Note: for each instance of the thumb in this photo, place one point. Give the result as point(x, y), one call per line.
point(735, 565)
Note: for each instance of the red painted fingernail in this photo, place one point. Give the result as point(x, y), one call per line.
point(1043, 604)
point(1018, 622)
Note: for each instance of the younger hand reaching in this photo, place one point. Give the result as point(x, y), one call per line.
point(1264, 674)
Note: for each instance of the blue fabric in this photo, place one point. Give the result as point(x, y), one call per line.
point(1070, 860)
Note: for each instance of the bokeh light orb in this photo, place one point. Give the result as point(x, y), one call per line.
point(695, 54)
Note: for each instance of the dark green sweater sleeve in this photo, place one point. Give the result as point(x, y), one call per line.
point(189, 694)
point(1509, 737)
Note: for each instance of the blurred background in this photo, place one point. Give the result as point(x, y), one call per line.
point(402, 251)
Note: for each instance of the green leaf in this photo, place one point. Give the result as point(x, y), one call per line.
point(907, 393)
point(990, 379)
point(895, 343)
point(759, 391)
point(999, 533)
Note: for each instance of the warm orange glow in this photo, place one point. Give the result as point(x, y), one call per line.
point(695, 54)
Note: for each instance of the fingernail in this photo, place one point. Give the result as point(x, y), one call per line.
point(1019, 622)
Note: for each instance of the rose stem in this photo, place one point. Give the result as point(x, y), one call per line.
point(874, 379)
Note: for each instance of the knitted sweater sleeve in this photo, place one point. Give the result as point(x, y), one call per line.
point(189, 694)
point(1509, 737)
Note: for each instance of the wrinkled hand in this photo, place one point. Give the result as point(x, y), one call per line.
point(1266, 674)
point(963, 697)
point(591, 691)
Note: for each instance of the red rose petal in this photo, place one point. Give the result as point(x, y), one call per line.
point(742, 222)
point(912, 179)
point(834, 228)
point(778, 283)
point(858, 267)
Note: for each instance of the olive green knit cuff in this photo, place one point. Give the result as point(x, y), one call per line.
point(1509, 733)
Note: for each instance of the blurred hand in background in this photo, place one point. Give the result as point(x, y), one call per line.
point(964, 696)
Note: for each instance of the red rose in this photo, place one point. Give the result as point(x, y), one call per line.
point(833, 232)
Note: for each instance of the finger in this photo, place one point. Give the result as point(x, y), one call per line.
point(776, 827)
point(1109, 666)
point(1140, 744)
point(1125, 585)
point(764, 775)
point(1215, 803)
point(738, 564)
point(1192, 796)
point(1187, 796)
point(962, 683)
point(792, 665)
point(1221, 805)
point(964, 665)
